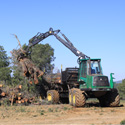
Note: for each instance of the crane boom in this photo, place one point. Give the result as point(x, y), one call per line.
point(69, 45)
point(41, 36)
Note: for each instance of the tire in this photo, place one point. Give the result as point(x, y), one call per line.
point(78, 98)
point(111, 99)
point(53, 96)
point(114, 99)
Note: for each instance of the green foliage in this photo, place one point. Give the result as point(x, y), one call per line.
point(4, 66)
point(42, 56)
point(5, 74)
point(122, 122)
point(4, 60)
point(121, 88)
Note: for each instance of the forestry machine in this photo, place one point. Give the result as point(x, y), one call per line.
point(79, 84)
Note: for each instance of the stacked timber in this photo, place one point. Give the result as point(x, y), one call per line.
point(14, 96)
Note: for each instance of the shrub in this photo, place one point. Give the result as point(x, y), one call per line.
point(122, 122)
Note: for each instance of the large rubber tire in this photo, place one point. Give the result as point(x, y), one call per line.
point(53, 96)
point(111, 99)
point(114, 98)
point(78, 98)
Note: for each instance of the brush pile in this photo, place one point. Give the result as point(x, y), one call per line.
point(30, 71)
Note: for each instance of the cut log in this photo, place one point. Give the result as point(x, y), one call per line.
point(19, 94)
point(22, 101)
point(19, 101)
point(20, 87)
point(1, 85)
point(26, 100)
point(3, 94)
point(28, 68)
point(19, 98)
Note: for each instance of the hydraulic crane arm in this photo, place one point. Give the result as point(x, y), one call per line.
point(69, 45)
point(41, 36)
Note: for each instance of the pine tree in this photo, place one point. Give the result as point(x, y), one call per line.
point(5, 72)
point(121, 88)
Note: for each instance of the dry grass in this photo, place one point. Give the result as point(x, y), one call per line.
point(62, 114)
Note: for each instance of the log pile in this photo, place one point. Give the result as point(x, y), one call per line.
point(14, 96)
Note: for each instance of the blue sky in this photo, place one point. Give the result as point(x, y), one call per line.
point(95, 27)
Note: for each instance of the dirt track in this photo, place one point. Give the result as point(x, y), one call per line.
point(61, 114)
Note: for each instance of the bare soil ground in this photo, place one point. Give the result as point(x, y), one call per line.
point(61, 114)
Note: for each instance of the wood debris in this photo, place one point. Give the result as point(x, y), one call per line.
point(14, 96)
point(28, 68)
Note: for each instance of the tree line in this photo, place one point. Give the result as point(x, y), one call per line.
point(43, 57)
point(121, 89)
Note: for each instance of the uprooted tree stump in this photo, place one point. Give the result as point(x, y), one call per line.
point(28, 68)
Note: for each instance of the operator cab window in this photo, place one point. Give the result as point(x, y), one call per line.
point(95, 67)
